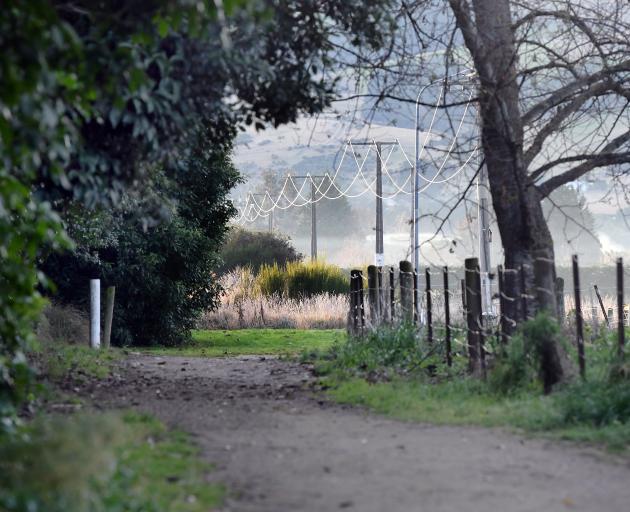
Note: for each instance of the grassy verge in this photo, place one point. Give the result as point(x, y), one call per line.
point(57, 360)
point(391, 373)
point(103, 463)
point(218, 343)
point(469, 403)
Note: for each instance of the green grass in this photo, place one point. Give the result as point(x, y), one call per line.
point(218, 343)
point(124, 462)
point(467, 402)
point(59, 359)
point(392, 373)
point(166, 468)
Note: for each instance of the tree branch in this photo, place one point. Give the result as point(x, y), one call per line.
point(564, 93)
point(605, 157)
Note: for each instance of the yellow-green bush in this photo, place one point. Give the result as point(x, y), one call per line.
point(297, 279)
point(272, 280)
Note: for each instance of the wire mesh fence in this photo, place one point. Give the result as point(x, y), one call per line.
point(465, 310)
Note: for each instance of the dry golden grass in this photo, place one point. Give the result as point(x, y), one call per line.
point(243, 306)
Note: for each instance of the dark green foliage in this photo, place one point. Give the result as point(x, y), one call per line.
point(254, 249)
point(515, 367)
point(595, 403)
point(164, 274)
point(531, 354)
point(383, 352)
point(98, 98)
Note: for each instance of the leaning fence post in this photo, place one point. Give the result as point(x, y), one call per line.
point(601, 305)
point(406, 290)
point(110, 294)
point(578, 317)
point(474, 320)
point(427, 276)
point(447, 320)
point(373, 295)
point(392, 290)
point(621, 334)
point(95, 313)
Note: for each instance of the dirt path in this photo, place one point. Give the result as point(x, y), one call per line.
point(278, 448)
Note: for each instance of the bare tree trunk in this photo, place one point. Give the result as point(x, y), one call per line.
point(488, 33)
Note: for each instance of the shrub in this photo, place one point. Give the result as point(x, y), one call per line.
point(537, 350)
point(307, 279)
point(382, 352)
point(60, 323)
point(595, 403)
point(515, 368)
point(272, 280)
point(299, 280)
point(164, 274)
point(252, 249)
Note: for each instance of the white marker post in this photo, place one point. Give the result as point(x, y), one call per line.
point(95, 313)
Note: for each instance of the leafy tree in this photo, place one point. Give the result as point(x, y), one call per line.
point(255, 249)
point(163, 273)
point(96, 98)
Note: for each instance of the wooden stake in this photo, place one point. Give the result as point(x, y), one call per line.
point(110, 293)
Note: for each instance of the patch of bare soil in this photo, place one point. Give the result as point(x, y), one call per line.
point(279, 447)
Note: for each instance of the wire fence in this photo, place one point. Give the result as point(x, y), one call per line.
point(465, 310)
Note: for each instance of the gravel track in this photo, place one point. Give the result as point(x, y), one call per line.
point(279, 447)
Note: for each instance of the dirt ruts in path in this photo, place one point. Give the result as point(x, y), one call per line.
point(278, 447)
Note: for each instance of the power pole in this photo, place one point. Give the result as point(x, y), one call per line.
point(313, 211)
point(313, 223)
point(379, 256)
point(485, 237)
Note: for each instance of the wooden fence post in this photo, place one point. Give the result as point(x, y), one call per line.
point(578, 317)
point(373, 295)
point(353, 324)
point(415, 297)
point(383, 310)
point(474, 320)
point(601, 305)
point(621, 334)
point(427, 276)
point(392, 294)
point(406, 291)
point(110, 294)
point(560, 300)
point(447, 320)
